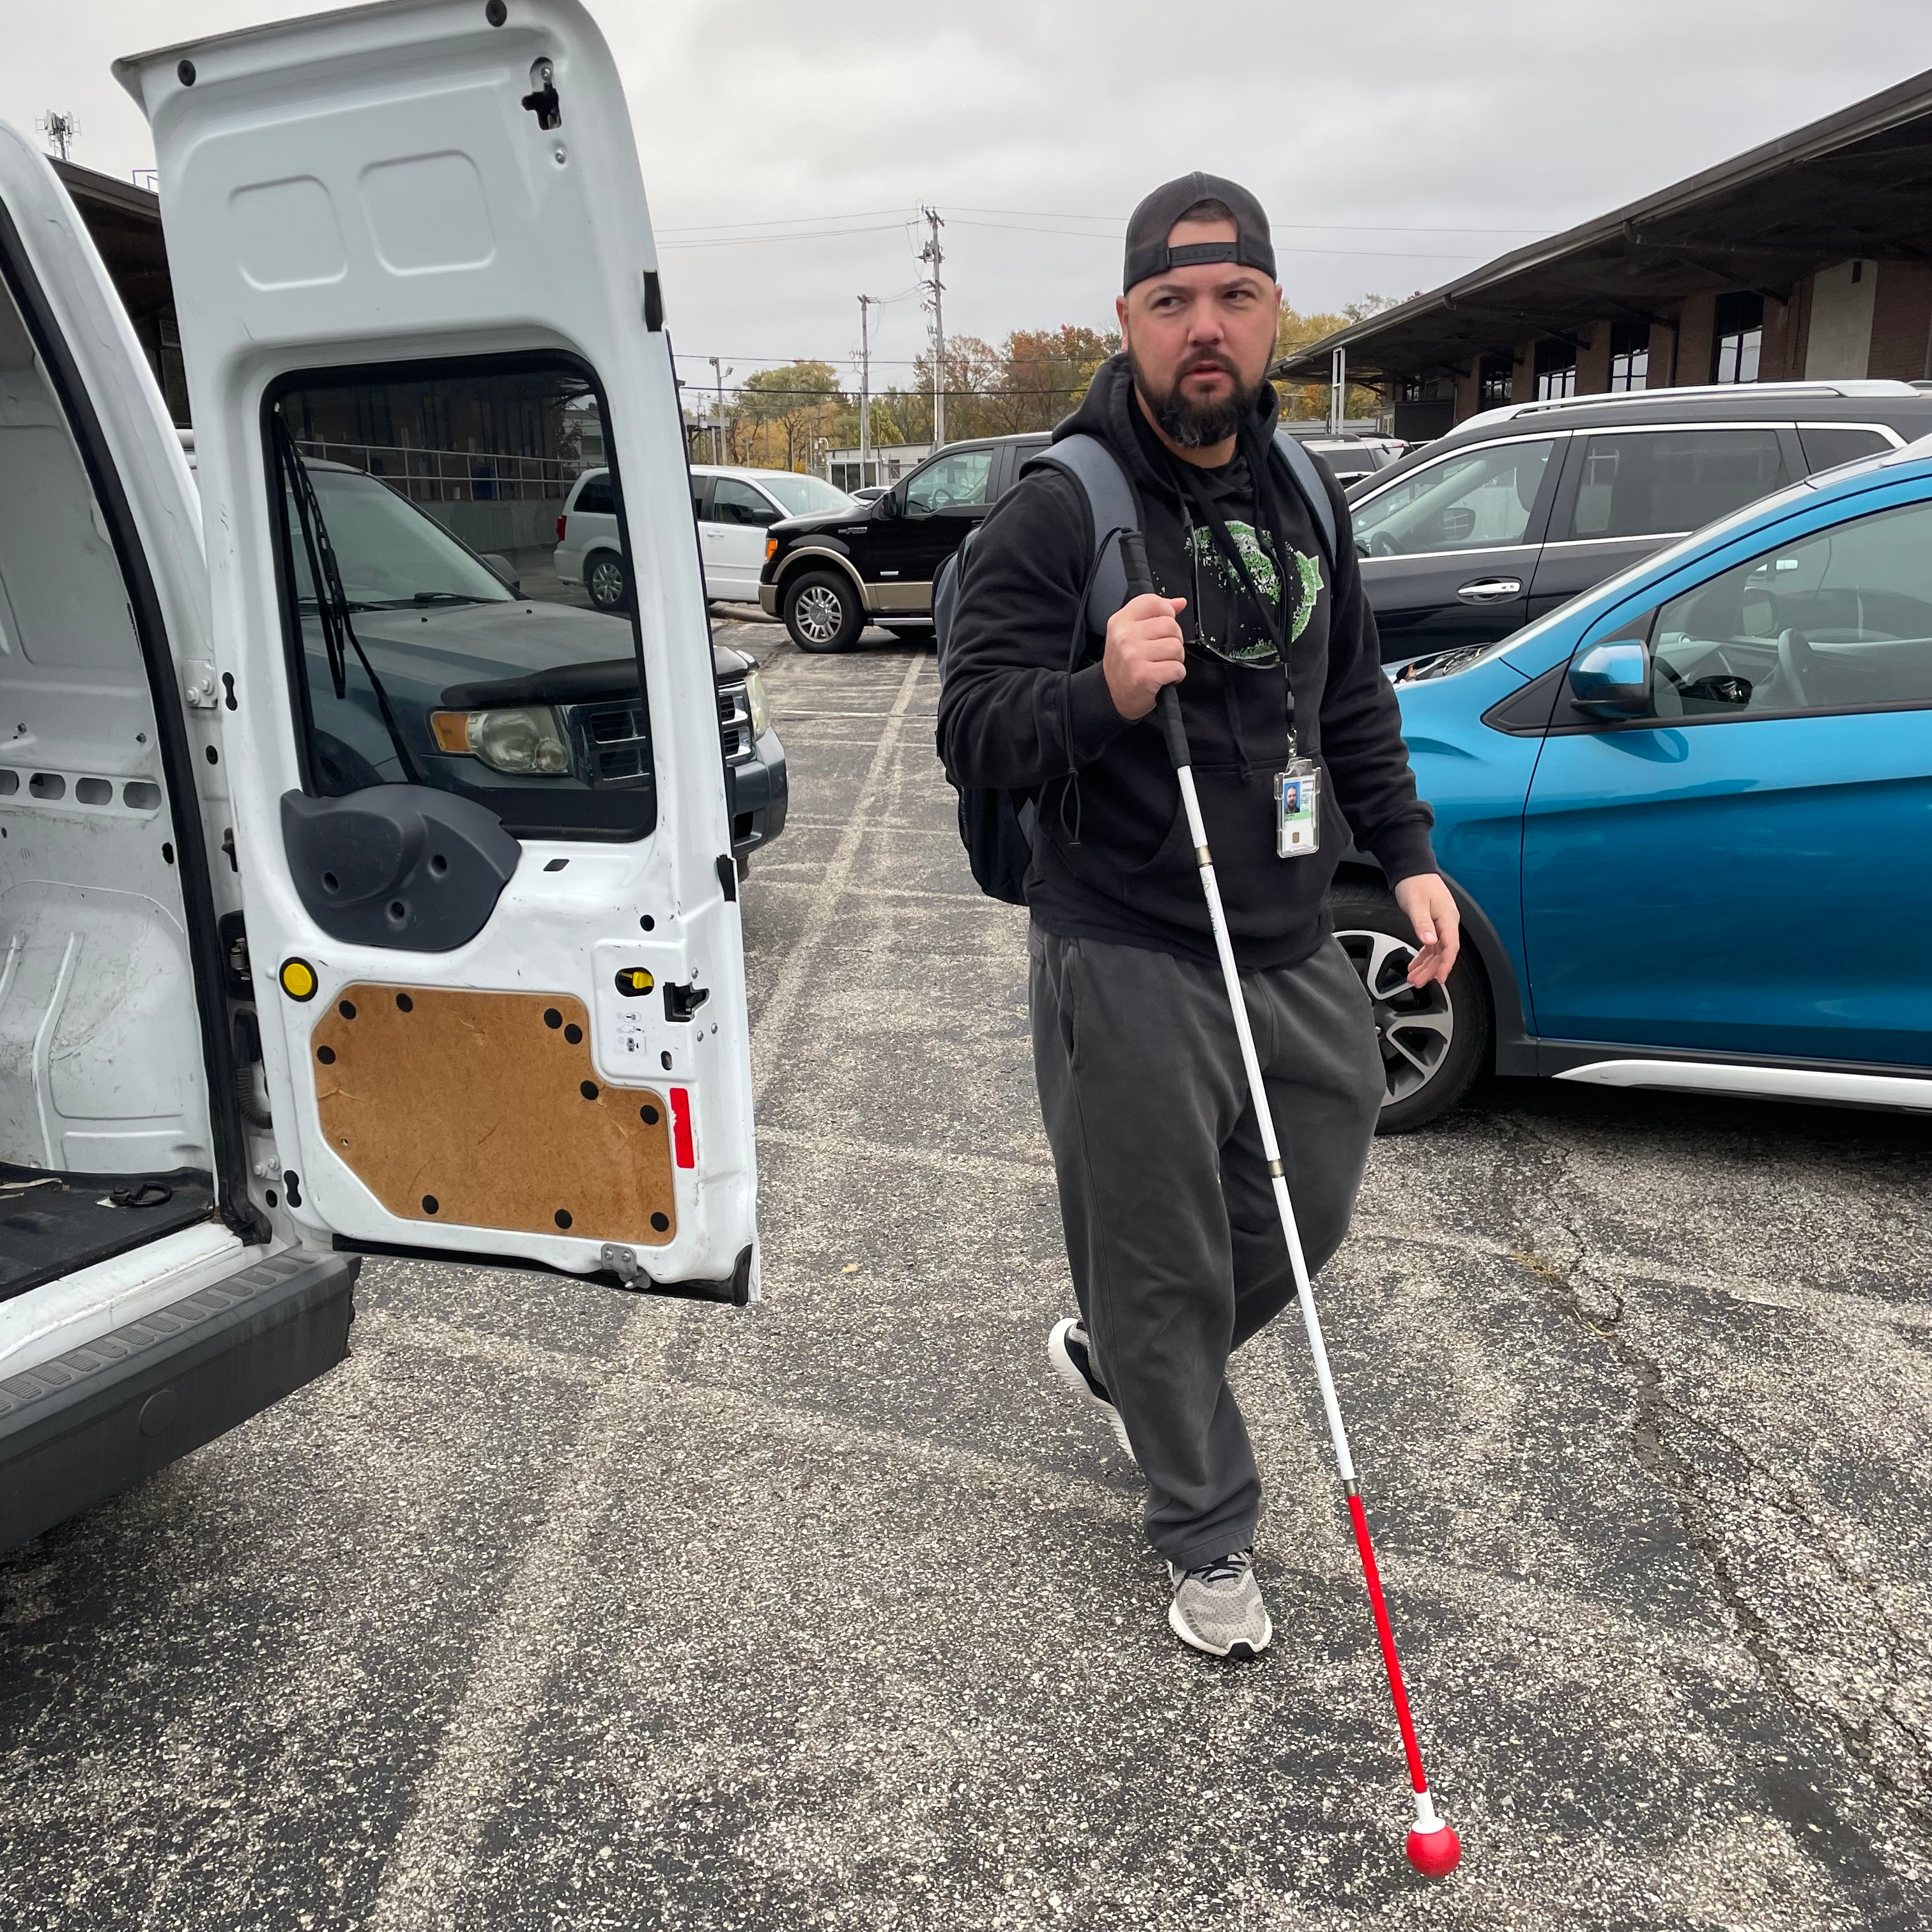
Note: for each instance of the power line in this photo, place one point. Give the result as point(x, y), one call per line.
point(910, 216)
point(1366, 254)
point(774, 221)
point(1292, 227)
point(800, 235)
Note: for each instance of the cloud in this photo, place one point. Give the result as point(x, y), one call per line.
point(1383, 141)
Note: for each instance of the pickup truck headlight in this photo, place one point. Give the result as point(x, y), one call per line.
point(757, 704)
point(524, 738)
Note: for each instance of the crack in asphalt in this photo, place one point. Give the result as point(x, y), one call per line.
point(1529, 1185)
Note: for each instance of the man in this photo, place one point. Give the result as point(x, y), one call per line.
point(1176, 1251)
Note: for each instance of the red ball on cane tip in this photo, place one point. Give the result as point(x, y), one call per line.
point(1436, 1854)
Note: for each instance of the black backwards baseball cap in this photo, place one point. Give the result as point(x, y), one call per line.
point(1148, 253)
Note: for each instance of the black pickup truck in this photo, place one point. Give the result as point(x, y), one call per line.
point(828, 576)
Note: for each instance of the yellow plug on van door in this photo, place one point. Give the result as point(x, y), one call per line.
point(633, 982)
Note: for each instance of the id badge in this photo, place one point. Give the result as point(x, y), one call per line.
point(1297, 793)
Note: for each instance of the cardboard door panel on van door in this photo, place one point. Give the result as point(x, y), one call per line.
point(416, 1088)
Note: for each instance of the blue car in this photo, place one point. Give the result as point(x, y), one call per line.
point(1688, 816)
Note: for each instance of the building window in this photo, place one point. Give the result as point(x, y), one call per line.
point(1493, 380)
point(1555, 370)
point(1740, 333)
point(1630, 355)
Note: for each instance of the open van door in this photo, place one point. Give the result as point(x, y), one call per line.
point(483, 840)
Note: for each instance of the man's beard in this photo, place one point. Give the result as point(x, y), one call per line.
point(1197, 425)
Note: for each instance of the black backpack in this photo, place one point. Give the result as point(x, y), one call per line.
point(996, 826)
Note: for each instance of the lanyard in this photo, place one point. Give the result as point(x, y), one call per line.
point(1273, 620)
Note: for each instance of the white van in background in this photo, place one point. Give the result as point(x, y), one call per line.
point(733, 509)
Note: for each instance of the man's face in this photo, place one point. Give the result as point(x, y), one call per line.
point(1200, 339)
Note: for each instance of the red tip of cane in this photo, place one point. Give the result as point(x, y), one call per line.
point(1436, 1854)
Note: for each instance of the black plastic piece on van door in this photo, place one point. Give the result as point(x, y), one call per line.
point(398, 866)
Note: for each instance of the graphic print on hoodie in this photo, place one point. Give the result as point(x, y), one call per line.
point(1221, 617)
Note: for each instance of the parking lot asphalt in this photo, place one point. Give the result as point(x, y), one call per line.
point(556, 1608)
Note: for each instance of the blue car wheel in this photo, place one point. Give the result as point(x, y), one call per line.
point(1434, 1040)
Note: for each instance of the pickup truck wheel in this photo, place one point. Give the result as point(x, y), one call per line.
point(607, 580)
point(1434, 1041)
point(823, 612)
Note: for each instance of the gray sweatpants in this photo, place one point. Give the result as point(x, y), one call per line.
point(1172, 1231)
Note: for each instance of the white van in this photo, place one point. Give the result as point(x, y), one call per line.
point(309, 949)
point(733, 509)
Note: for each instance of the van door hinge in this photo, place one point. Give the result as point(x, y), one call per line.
point(201, 690)
point(623, 1263)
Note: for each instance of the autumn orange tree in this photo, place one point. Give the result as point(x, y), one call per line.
point(787, 417)
point(1302, 400)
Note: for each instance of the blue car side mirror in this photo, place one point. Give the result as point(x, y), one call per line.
point(1613, 679)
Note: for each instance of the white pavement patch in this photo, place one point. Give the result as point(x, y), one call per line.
point(426, 1879)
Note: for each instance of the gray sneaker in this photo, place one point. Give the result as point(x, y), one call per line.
point(1217, 1608)
point(1072, 1353)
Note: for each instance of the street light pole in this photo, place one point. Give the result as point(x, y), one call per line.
point(865, 303)
point(718, 422)
point(933, 253)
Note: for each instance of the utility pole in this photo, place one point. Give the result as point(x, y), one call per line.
point(934, 254)
point(61, 130)
point(717, 421)
point(866, 304)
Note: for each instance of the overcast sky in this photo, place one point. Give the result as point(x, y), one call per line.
point(1394, 146)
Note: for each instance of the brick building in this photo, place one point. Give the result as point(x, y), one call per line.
point(1810, 257)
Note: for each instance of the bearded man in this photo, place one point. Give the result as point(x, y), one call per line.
point(1176, 1252)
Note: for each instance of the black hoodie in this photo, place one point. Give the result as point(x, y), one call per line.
point(1112, 860)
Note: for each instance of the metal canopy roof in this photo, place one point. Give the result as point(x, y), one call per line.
point(1857, 183)
point(125, 222)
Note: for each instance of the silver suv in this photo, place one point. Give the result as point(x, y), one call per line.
point(1517, 510)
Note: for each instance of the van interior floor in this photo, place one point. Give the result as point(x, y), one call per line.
point(52, 1223)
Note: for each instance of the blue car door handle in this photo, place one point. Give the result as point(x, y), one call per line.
point(1488, 590)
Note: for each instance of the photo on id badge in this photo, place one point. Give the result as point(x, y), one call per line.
point(1297, 791)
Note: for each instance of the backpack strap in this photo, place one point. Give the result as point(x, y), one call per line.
point(1112, 504)
point(1307, 474)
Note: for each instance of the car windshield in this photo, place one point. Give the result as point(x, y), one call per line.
point(805, 496)
point(391, 554)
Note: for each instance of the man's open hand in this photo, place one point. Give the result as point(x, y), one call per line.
point(1428, 905)
point(1144, 651)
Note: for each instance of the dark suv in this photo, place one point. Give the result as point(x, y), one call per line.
point(1517, 510)
point(828, 576)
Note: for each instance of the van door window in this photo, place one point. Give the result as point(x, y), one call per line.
point(594, 499)
point(1662, 482)
point(432, 642)
point(1475, 500)
point(735, 503)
